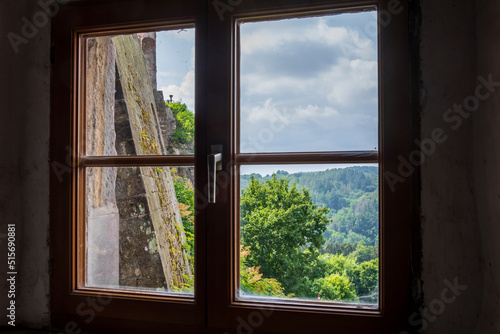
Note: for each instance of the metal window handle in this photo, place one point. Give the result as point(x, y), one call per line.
point(214, 164)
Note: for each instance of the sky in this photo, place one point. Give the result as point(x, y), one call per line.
point(175, 65)
point(307, 84)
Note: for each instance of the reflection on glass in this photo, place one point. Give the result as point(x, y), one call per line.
point(139, 93)
point(309, 84)
point(310, 235)
point(140, 228)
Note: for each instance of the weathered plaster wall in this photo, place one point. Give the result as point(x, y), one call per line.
point(24, 167)
point(487, 165)
point(450, 228)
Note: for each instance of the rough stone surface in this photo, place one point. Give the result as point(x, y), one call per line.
point(167, 121)
point(100, 99)
point(102, 213)
point(161, 207)
point(148, 44)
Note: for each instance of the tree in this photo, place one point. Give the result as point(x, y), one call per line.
point(365, 253)
point(337, 264)
point(364, 277)
point(335, 287)
point(184, 132)
point(361, 218)
point(251, 280)
point(284, 230)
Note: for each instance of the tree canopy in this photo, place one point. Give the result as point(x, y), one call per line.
point(283, 229)
point(294, 248)
point(184, 132)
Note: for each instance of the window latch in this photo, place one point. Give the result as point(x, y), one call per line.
point(214, 164)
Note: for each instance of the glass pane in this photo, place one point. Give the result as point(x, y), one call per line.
point(140, 228)
point(309, 84)
point(310, 232)
point(140, 93)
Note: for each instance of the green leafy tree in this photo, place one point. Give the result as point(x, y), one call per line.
point(360, 219)
point(284, 229)
point(344, 248)
point(365, 253)
point(364, 277)
point(335, 287)
point(184, 132)
point(337, 264)
point(251, 281)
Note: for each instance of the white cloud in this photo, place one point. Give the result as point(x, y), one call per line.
point(315, 113)
point(184, 92)
point(266, 114)
point(349, 76)
point(346, 83)
point(273, 37)
point(351, 82)
point(271, 112)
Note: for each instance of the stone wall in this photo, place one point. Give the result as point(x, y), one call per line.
point(139, 219)
point(102, 213)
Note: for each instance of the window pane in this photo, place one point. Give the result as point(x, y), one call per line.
point(310, 232)
point(309, 84)
point(140, 228)
point(140, 93)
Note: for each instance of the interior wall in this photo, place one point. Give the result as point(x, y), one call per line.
point(451, 237)
point(24, 167)
point(487, 164)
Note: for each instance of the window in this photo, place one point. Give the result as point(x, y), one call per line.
point(188, 134)
point(329, 64)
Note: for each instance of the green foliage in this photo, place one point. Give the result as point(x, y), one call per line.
point(364, 277)
point(284, 229)
point(344, 248)
point(284, 224)
point(184, 132)
point(185, 198)
point(251, 281)
point(337, 264)
point(335, 287)
point(350, 193)
point(360, 218)
point(188, 286)
point(365, 253)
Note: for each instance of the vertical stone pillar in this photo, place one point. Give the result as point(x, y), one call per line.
point(148, 44)
point(102, 212)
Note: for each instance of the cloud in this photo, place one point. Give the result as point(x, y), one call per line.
point(351, 82)
point(316, 113)
point(347, 83)
point(184, 92)
point(310, 62)
point(274, 35)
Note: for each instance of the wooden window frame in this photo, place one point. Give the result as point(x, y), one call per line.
point(394, 206)
point(74, 306)
point(215, 308)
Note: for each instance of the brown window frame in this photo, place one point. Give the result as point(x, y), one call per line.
point(74, 306)
point(215, 306)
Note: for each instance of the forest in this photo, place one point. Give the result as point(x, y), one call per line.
point(311, 235)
